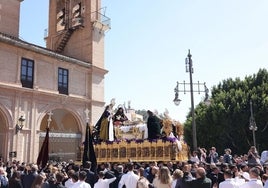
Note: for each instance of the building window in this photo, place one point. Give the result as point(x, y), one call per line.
point(26, 74)
point(63, 75)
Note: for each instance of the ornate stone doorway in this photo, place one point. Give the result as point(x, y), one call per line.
point(64, 136)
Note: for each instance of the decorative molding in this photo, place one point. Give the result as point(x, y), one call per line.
point(60, 135)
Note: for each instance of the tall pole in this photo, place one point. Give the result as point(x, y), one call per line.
point(252, 124)
point(190, 70)
point(194, 87)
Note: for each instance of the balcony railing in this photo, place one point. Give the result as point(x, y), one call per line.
point(100, 21)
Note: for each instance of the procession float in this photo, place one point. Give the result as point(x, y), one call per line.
point(130, 140)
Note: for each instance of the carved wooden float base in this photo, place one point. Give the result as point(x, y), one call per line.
point(142, 151)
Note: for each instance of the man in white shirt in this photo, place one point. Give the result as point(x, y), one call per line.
point(82, 176)
point(129, 179)
point(229, 181)
point(69, 181)
point(254, 181)
point(103, 183)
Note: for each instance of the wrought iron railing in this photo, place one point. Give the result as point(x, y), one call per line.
point(97, 17)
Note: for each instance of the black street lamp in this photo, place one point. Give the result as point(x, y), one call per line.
point(189, 68)
point(252, 124)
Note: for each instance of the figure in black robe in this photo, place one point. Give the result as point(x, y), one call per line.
point(153, 125)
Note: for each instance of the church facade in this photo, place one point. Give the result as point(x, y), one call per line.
point(63, 81)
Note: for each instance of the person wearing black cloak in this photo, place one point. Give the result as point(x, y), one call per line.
point(102, 126)
point(153, 125)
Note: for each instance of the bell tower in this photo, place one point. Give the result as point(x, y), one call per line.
point(10, 17)
point(76, 29)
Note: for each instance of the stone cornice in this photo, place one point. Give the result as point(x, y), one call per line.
point(38, 49)
point(98, 70)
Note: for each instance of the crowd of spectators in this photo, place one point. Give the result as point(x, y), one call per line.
point(203, 170)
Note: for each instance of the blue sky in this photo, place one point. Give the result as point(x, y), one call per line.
point(145, 49)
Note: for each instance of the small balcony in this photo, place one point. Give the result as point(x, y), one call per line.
point(100, 21)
